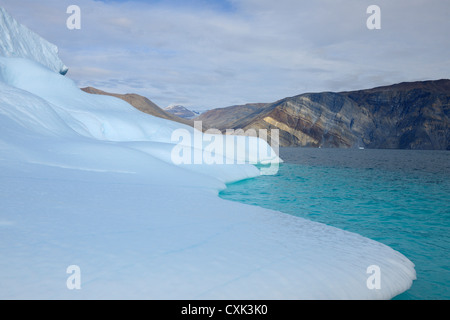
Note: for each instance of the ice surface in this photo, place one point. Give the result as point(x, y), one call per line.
point(16, 40)
point(88, 180)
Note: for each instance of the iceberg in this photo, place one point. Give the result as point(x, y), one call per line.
point(87, 180)
point(16, 40)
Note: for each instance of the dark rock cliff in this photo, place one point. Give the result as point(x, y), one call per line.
point(412, 115)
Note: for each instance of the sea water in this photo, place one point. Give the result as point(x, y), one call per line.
point(398, 197)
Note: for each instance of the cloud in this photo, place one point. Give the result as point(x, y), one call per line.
point(219, 53)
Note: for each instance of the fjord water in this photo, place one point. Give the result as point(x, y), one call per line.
point(398, 197)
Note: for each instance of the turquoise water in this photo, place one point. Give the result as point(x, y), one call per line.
point(398, 197)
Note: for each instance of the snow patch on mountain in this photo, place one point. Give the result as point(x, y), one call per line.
point(182, 112)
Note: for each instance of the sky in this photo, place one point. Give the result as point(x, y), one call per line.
point(210, 54)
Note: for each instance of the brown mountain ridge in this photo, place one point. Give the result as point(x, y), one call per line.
point(141, 103)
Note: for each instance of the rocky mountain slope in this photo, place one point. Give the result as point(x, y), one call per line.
point(412, 115)
point(141, 103)
point(229, 117)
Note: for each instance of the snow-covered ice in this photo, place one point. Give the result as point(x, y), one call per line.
point(16, 40)
point(88, 180)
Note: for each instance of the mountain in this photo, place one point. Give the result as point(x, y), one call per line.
point(141, 103)
point(181, 112)
point(410, 115)
point(230, 117)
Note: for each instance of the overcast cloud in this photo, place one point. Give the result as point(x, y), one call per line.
point(209, 54)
